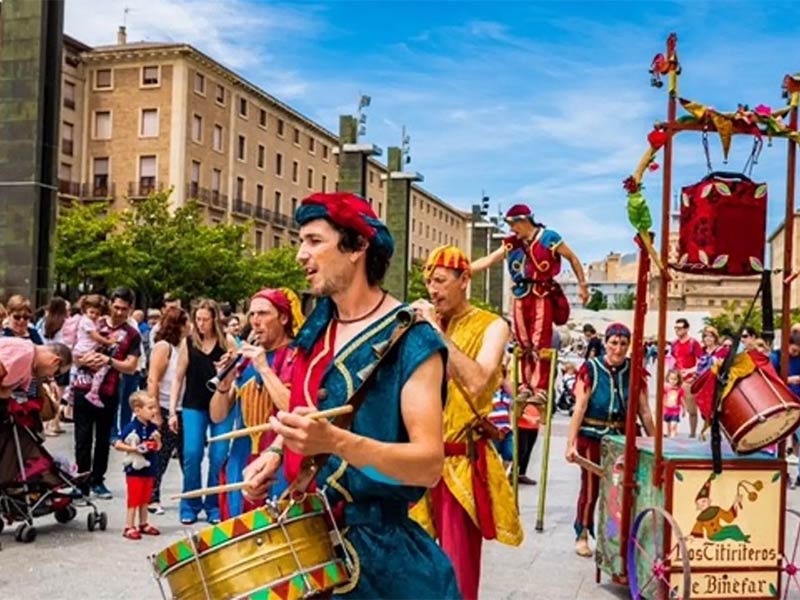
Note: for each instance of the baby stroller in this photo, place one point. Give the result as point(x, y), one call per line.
point(32, 483)
point(566, 395)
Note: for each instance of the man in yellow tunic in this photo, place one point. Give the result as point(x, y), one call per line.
point(473, 500)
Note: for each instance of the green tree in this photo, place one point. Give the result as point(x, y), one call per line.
point(277, 268)
point(597, 301)
point(731, 318)
point(625, 301)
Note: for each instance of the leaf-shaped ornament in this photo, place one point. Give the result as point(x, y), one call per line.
point(720, 261)
point(756, 264)
point(706, 190)
point(701, 254)
point(723, 188)
point(761, 191)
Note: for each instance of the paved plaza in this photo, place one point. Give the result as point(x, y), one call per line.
point(66, 561)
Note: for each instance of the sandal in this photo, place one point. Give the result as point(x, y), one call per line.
point(132, 533)
point(148, 529)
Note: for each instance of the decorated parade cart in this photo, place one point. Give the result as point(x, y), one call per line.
point(680, 518)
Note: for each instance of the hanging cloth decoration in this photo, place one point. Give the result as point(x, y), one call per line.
point(723, 226)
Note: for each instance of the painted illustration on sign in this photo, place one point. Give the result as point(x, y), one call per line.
point(730, 521)
point(709, 521)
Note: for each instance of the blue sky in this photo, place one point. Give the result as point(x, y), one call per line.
point(545, 103)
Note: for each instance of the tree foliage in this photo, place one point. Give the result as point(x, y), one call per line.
point(597, 301)
point(155, 250)
point(732, 316)
point(624, 302)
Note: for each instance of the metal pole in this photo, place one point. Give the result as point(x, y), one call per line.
point(515, 429)
point(546, 450)
point(788, 247)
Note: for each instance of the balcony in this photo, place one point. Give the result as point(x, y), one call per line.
point(100, 190)
point(69, 188)
point(242, 207)
point(144, 187)
point(66, 147)
point(281, 220)
point(218, 200)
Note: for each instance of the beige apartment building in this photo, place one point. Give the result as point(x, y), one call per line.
point(141, 117)
point(776, 264)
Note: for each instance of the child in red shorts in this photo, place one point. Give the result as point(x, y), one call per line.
point(141, 441)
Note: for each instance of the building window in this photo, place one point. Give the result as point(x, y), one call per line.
point(427, 232)
point(259, 240)
point(216, 181)
point(220, 95)
point(262, 118)
point(295, 171)
point(67, 132)
point(69, 95)
point(150, 75)
point(281, 126)
point(276, 203)
point(240, 188)
point(324, 183)
point(278, 164)
point(217, 140)
point(65, 172)
point(149, 123)
point(310, 178)
point(324, 151)
point(147, 175)
point(100, 181)
point(296, 136)
point(103, 79)
point(197, 128)
point(380, 214)
point(243, 107)
point(294, 206)
point(259, 195)
point(200, 83)
point(371, 177)
point(262, 156)
point(102, 125)
point(311, 144)
point(241, 148)
point(194, 186)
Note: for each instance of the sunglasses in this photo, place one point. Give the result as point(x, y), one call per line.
point(745, 335)
point(21, 317)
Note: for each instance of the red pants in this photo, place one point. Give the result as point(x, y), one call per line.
point(533, 328)
point(590, 486)
point(460, 539)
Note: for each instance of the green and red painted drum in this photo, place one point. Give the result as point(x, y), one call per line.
point(256, 555)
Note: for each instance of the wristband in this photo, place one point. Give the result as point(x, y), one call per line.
point(276, 450)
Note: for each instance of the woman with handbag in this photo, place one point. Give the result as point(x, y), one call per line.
point(533, 255)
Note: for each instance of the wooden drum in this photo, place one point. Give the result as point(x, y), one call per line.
point(758, 412)
point(282, 552)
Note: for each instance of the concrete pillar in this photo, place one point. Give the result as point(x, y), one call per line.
point(478, 250)
point(353, 158)
point(496, 273)
point(398, 220)
point(30, 93)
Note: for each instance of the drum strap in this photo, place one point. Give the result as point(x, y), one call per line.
point(764, 289)
point(311, 465)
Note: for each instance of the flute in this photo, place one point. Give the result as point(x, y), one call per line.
point(213, 383)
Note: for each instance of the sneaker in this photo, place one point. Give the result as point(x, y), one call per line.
point(101, 491)
point(525, 480)
point(154, 508)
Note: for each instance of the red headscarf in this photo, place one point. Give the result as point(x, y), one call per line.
point(281, 303)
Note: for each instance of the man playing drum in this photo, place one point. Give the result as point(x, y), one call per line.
point(601, 403)
point(394, 449)
point(474, 499)
point(533, 256)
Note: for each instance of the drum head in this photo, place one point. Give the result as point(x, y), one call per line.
point(764, 430)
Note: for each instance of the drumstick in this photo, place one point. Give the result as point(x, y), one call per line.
point(216, 489)
point(592, 467)
point(323, 414)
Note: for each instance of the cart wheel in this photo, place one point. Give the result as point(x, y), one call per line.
point(102, 521)
point(91, 521)
point(25, 533)
point(66, 514)
point(791, 541)
point(646, 548)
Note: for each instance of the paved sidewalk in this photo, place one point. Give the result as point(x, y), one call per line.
point(66, 561)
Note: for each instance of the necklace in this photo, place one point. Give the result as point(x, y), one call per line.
point(362, 317)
